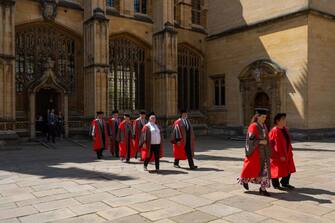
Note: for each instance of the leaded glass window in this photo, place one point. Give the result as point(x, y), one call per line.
point(127, 75)
point(140, 6)
point(189, 70)
point(34, 46)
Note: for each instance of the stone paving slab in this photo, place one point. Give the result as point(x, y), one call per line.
point(68, 185)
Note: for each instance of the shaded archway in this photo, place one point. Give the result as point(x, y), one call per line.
point(260, 87)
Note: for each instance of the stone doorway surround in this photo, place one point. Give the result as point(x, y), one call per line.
point(47, 81)
point(260, 77)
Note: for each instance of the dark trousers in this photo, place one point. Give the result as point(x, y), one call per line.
point(188, 152)
point(116, 149)
point(100, 153)
point(154, 150)
point(284, 181)
point(128, 151)
point(52, 133)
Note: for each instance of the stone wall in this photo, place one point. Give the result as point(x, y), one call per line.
point(285, 43)
point(321, 82)
point(228, 14)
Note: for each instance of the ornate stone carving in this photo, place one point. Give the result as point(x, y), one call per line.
point(262, 76)
point(49, 9)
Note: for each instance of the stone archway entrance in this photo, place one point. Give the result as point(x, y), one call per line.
point(46, 93)
point(260, 88)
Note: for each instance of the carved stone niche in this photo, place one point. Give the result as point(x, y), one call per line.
point(260, 87)
point(49, 9)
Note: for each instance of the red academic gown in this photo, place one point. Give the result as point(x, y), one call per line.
point(179, 132)
point(112, 124)
point(97, 138)
point(146, 139)
point(123, 139)
point(280, 168)
point(137, 128)
point(251, 166)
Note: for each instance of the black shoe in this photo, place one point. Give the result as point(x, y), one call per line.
point(288, 186)
point(264, 192)
point(278, 188)
point(193, 167)
point(176, 166)
point(246, 186)
point(145, 168)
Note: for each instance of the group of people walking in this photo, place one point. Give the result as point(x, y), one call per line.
point(268, 155)
point(142, 138)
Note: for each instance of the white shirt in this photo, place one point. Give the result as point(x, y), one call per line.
point(155, 134)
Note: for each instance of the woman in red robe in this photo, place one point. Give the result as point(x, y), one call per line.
point(99, 134)
point(151, 142)
point(282, 164)
point(256, 167)
point(125, 139)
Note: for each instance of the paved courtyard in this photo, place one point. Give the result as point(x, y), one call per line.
point(65, 183)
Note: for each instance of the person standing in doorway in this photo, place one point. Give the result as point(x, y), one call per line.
point(137, 129)
point(52, 122)
point(256, 167)
point(183, 141)
point(99, 134)
point(282, 163)
point(114, 123)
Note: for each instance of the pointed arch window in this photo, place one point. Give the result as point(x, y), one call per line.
point(189, 71)
point(127, 75)
point(34, 45)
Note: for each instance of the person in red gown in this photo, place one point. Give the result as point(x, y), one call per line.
point(125, 139)
point(256, 166)
point(113, 124)
point(99, 134)
point(151, 142)
point(137, 129)
point(183, 141)
point(281, 162)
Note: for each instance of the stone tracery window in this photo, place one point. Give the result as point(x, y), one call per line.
point(189, 70)
point(34, 45)
point(126, 76)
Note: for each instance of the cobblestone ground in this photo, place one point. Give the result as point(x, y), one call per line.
point(65, 183)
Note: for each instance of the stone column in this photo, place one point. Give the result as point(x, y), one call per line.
point(164, 60)
point(96, 63)
point(7, 63)
point(184, 13)
point(126, 7)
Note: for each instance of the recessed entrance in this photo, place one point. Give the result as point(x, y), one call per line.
point(47, 99)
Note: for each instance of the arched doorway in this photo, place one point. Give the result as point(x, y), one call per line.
point(262, 100)
point(260, 88)
point(47, 99)
point(46, 71)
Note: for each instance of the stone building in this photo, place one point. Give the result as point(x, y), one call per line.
point(220, 59)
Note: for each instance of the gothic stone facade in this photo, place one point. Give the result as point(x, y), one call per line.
point(220, 59)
